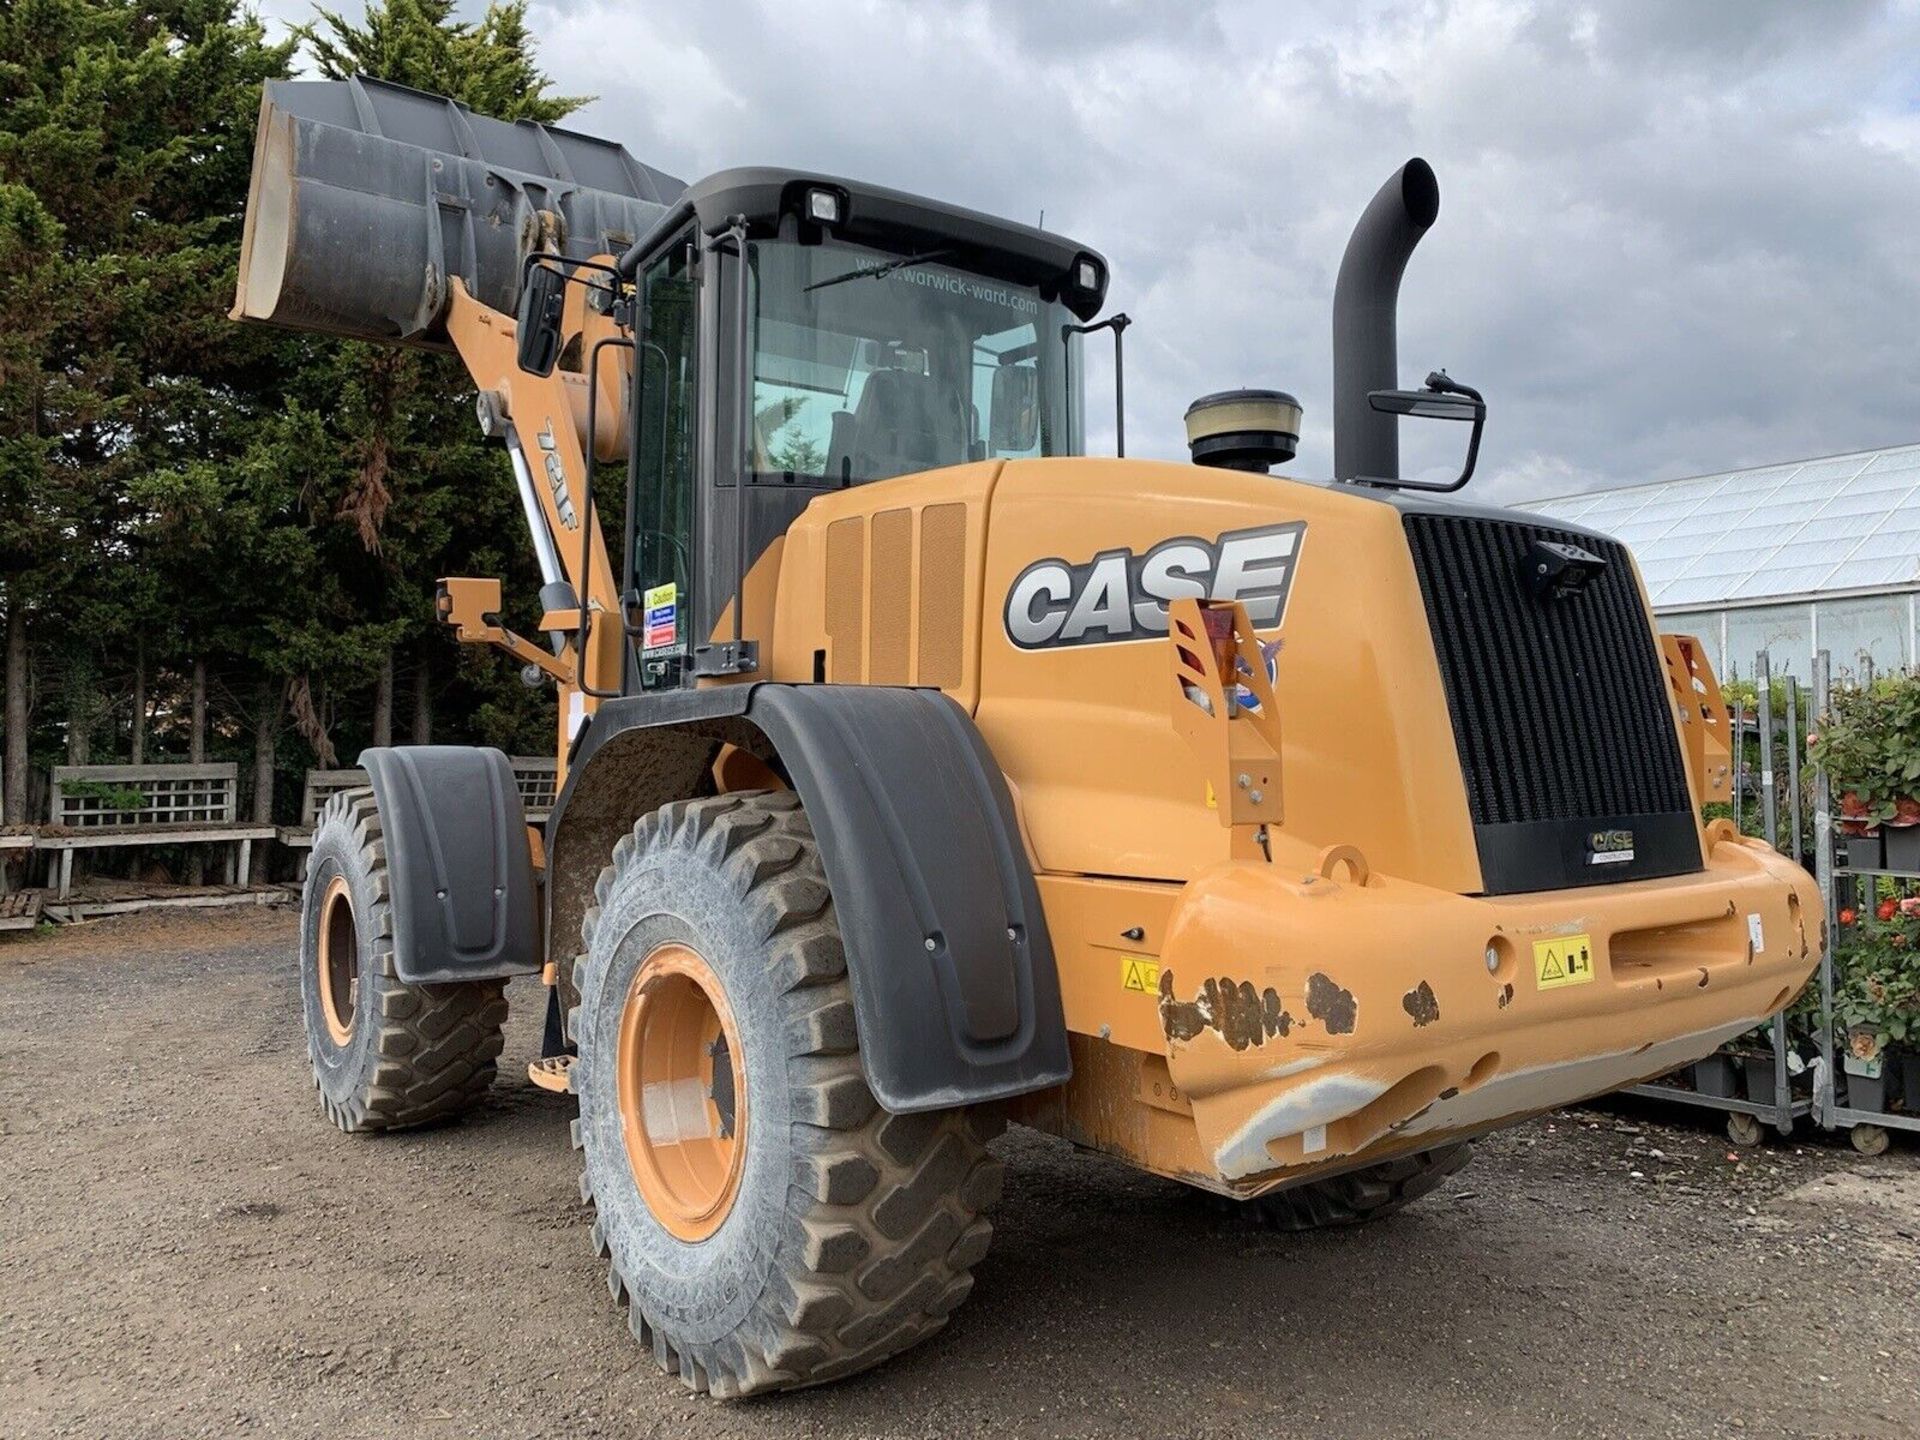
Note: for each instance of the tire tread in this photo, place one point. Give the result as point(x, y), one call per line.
point(1359, 1195)
point(887, 1211)
point(433, 1055)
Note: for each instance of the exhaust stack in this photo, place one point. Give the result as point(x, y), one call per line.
point(1366, 297)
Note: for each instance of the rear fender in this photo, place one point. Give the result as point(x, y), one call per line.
point(458, 863)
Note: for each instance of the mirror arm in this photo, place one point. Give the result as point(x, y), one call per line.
point(1118, 324)
point(563, 263)
point(1441, 383)
point(587, 529)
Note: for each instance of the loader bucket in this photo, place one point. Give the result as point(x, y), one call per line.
point(367, 198)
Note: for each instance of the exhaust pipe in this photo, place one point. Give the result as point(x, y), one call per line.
point(1366, 297)
point(368, 198)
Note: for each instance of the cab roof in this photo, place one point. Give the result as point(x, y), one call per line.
point(773, 202)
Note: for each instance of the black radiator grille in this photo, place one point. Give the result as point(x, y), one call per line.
point(1560, 706)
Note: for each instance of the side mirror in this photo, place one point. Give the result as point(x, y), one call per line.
point(1014, 422)
point(1425, 404)
point(1444, 398)
point(543, 296)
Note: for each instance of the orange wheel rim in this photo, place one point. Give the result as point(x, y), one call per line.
point(336, 961)
point(682, 1092)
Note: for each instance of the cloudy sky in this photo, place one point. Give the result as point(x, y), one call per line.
point(1673, 237)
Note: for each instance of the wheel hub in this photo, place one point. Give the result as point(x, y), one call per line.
point(336, 959)
point(681, 1090)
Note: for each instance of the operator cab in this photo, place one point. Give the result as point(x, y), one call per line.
point(871, 334)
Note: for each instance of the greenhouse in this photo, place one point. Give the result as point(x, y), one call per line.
point(1816, 555)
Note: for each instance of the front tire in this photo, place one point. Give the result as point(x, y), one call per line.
point(385, 1054)
point(768, 1225)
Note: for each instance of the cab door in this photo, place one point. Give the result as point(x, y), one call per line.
point(660, 544)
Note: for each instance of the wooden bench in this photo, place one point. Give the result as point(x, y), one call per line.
point(321, 786)
point(13, 842)
point(100, 807)
point(536, 775)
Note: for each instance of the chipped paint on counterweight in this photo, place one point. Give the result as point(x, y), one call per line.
point(1242, 1015)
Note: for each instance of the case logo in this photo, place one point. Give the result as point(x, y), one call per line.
point(1118, 595)
point(1609, 847)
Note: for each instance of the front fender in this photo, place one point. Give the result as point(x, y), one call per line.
point(955, 990)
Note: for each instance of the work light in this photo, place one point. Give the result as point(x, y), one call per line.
point(823, 206)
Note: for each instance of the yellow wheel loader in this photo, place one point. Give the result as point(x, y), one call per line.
point(921, 772)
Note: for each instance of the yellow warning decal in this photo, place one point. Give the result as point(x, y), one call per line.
point(1141, 975)
point(1563, 960)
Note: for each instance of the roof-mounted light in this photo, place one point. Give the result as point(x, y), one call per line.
point(1086, 274)
point(823, 207)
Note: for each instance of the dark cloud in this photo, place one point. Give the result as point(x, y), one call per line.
point(1673, 238)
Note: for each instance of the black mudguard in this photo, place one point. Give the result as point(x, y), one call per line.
point(956, 994)
point(461, 871)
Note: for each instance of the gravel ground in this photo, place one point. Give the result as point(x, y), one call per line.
point(186, 1248)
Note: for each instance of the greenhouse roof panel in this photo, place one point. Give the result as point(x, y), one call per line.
point(1837, 522)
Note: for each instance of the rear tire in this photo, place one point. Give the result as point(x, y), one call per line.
point(1359, 1195)
point(385, 1054)
point(766, 1223)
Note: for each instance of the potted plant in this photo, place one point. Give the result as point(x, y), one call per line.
point(1714, 1075)
point(1868, 745)
point(1899, 711)
point(1910, 1078)
point(1878, 1004)
point(1899, 1002)
point(1848, 747)
point(1757, 1070)
point(1903, 1067)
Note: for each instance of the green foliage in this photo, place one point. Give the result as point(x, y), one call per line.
point(488, 66)
point(181, 488)
point(419, 493)
point(114, 797)
point(124, 150)
point(1745, 695)
point(1876, 976)
point(1868, 744)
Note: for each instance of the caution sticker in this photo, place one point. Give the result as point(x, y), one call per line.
point(1564, 960)
point(661, 628)
point(1141, 975)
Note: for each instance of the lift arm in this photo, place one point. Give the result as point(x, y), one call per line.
point(548, 416)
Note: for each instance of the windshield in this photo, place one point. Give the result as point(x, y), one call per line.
point(868, 365)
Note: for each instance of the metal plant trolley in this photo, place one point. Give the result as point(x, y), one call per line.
point(1747, 1117)
point(1867, 1129)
